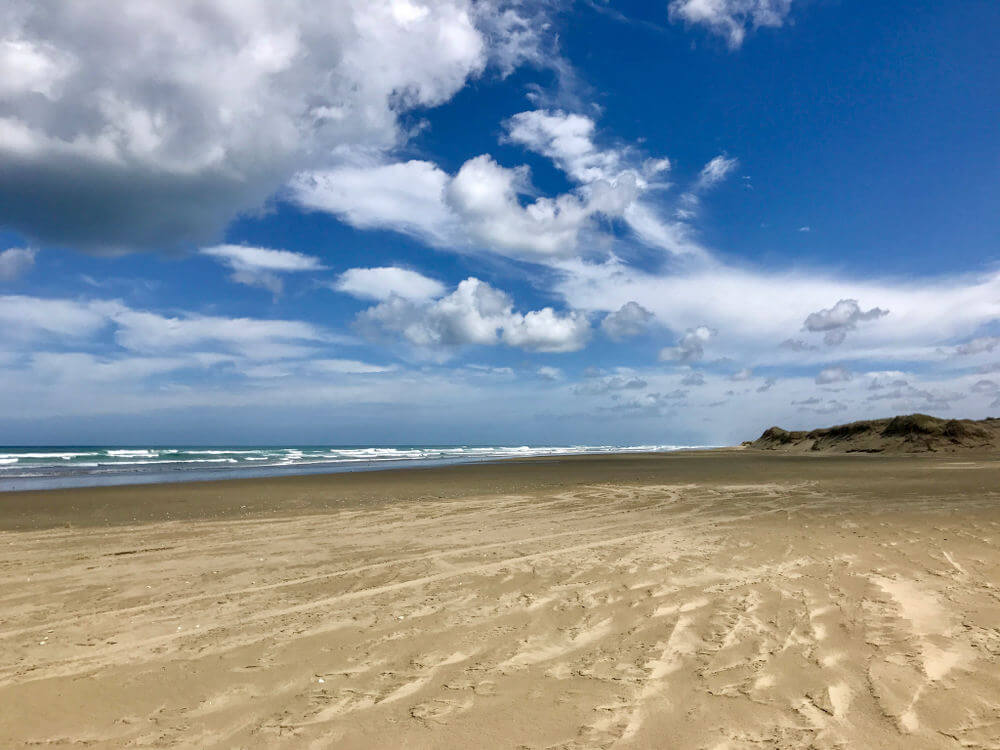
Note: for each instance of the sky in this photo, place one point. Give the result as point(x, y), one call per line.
point(546, 222)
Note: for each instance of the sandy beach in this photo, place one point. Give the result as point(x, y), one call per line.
point(719, 599)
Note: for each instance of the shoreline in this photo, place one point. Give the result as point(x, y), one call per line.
point(321, 492)
point(169, 473)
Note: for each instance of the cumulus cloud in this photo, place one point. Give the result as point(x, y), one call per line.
point(731, 18)
point(479, 208)
point(740, 375)
point(833, 375)
point(485, 196)
point(16, 261)
point(383, 283)
point(836, 321)
point(629, 320)
point(475, 313)
point(615, 178)
point(690, 347)
point(261, 266)
point(546, 330)
point(488, 206)
point(155, 130)
point(568, 140)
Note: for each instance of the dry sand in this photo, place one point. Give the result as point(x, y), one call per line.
point(716, 600)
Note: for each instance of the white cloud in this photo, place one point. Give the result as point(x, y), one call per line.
point(254, 338)
point(833, 375)
point(690, 347)
point(406, 197)
point(260, 266)
point(751, 310)
point(482, 206)
point(631, 319)
point(550, 373)
point(16, 261)
point(477, 209)
point(566, 139)
point(347, 367)
point(475, 313)
point(731, 18)
point(546, 330)
point(151, 339)
point(81, 366)
point(836, 321)
point(27, 318)
point(616, 173)
point(485, 196)
point(155, 129)
point(717, 170)
point(383, 283)
point(745, 374)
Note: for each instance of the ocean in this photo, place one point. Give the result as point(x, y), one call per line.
point(51, 467)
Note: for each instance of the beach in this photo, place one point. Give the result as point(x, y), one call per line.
point(710, 599)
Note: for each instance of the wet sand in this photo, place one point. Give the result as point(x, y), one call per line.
point(721, 599)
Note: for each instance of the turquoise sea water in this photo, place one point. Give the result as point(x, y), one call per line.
point(34, 467)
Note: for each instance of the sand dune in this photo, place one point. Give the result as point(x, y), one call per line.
point(819, 608)
point(910, 433)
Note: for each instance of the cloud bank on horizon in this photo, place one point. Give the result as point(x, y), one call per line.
point(445, 222)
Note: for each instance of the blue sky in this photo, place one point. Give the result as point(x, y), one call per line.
point(494, 222)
